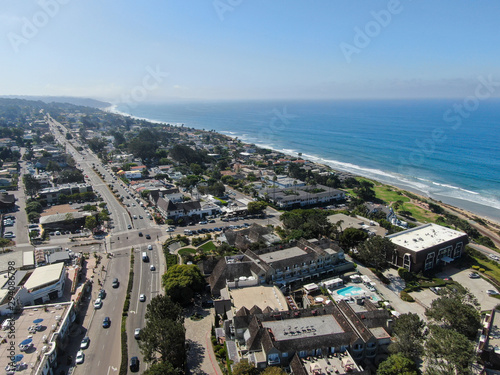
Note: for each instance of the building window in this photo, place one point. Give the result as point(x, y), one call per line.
point(273, 359)
point(407, 261)
point(303, 353)
point(429, 261)
point(284, 355)
point(458, 250)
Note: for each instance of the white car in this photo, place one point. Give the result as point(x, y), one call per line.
point(137, 333)
point(98, 303)
point(150, 247)
point(142, 297)
point(80, 357)
point(492, 292)
point(85, 343)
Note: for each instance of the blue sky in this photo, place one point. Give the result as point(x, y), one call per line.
point(248, 49)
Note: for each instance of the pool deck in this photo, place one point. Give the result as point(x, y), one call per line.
point(365, 293)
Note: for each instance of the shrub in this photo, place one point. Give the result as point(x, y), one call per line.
point(482, 270)
point(475, 267)
point(406, 297)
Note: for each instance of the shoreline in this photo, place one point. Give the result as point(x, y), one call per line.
point(465, 212)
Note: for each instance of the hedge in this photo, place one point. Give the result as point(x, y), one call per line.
point(406, 297)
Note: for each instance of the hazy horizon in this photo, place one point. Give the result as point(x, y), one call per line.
point(241, 50)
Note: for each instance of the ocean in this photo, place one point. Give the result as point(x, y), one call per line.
point(444, 149)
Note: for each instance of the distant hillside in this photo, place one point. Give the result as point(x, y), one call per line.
point(87, 102)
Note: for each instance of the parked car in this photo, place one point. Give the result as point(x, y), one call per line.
point(129, 226)
point(98, 303)
point(492, 292)
point(85, 343)
point(134, 364)
point(80, 357)
point(140, 234)
point(474, 275)
point(137, 333)
point(102, 294)
point(150, 247)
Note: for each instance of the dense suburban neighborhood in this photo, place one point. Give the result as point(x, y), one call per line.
point(131, 246)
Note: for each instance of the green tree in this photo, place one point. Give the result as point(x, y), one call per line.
point(34, 207)
point(352, 237)
point(365, 190)
point(448, 352)
point(90, 222)
point(312, 223)
point(397, 364)
point(256, 207)
point(273, 370)
point(162, 368)
point(409, 334)
point(244, 368)
point(375, 250)
point(182, 281)
point(33, 216)
point(31, 185)
point(196, 168)
point(163, 337)
point(457, 312)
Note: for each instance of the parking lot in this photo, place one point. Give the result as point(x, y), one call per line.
point(478, 288)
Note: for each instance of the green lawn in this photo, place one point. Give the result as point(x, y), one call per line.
point(187, 251)
point(388, 195)
point(208, 247)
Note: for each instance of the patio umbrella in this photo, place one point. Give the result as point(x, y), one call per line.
point(18, 357)
point(26, 342)
point(37, 321)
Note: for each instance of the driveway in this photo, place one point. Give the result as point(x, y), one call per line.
point(200, 356)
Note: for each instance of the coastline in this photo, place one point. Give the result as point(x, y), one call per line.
point(462, 209)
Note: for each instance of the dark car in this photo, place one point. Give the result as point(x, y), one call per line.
point(140, 234)
point(102, 294)
point(106, 322)
point(115, 283)
point(134, 364)
point(148, 237)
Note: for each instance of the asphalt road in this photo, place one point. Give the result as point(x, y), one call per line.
point(104, 351)
point(145, 282)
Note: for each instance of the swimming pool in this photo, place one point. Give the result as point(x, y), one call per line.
point(351, 291)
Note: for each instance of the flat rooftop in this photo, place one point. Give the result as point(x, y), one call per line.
point(261, 296)
point(280, 255)
point(45, 275)
point(424, 237)
point(494, 336)
point(310, 326)
point(49, 325)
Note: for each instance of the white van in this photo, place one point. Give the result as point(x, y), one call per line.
point(145, 257)
point(6, 324)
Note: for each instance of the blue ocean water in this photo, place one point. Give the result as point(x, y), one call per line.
point(428, 146)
